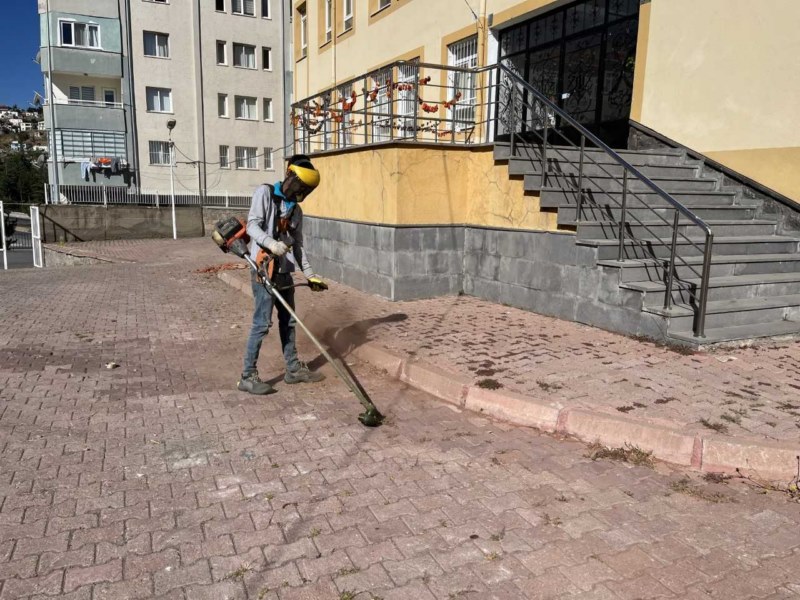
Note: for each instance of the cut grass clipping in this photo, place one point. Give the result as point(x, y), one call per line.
point(629, 453)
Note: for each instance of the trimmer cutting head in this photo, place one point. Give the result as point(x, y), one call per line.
point(371, 417)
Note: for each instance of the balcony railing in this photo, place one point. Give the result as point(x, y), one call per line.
point(405, 101)
point(87, 103)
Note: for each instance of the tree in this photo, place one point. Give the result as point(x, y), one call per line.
point(21, 181)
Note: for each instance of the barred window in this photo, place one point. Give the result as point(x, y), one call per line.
point(463, 55)
point(246, 158)
point(268, 164)
point(223, 158)
point(77, 145)
point(159, 153)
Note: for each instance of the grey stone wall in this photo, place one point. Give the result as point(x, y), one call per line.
point(70, 223)
point(545, 272)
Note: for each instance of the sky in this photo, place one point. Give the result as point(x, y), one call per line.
point(19, 43)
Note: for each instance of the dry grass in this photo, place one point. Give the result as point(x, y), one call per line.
point(629, 454)
point(686, 486)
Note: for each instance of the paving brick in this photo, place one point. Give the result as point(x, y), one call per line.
point(80, 576)
point(178, 484)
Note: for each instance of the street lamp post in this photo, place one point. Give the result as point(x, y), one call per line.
point(170, 126)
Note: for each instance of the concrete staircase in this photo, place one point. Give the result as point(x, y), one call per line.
point(755, 280)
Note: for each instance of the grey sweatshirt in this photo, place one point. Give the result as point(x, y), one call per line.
point(261, 225)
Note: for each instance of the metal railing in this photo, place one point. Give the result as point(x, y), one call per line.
point(120, 195)
point(87, 103)
point(551, 123)
point(407, 101)
point(412, 101)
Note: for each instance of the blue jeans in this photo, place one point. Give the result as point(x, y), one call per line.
point(262, 320)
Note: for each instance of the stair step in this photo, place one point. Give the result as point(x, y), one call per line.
point(730, 312)
point(722, 227)
point(614, 184)
point(721, 265)
point(634, 157)
point(555, 197)
point(660, 248)
point(731, 287)
point(526, 166)
point(718, 335)
point(702, 210)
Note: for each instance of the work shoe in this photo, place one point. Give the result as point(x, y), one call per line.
point(303, 375)
point(253, 385)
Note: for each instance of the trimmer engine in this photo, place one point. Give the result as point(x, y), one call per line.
point(231, 236)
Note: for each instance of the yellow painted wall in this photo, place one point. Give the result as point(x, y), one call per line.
point(722, 77)
point(380, 37)
point(395, 185)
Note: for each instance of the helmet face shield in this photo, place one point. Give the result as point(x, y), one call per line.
point(294, 189)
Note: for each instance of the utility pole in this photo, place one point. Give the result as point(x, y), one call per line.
point(170, 126)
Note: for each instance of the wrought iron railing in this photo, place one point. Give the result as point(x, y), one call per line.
point(116, 195)
point(411, 101)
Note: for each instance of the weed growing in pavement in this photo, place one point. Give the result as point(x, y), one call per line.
point(666, 400)
point(554, 521)
point(562, 498)
point(716, 477)
point(629, 453)
point(685, 486)
point(625, 409)
point(496, 537)
point(239, 573)
point(791, 489)
point(549, 387)
point(345, 571)
point(314, 533)
point(348, 595)
point(736, 419)
point(492, 556)
point(489, 384)
point(718, 427)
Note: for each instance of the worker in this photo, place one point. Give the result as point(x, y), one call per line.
point(275, 224)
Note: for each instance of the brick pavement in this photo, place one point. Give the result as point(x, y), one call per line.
point(155, 479)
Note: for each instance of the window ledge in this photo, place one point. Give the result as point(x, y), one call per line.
point(158, 57)
point(245, 68)
point(243, 15)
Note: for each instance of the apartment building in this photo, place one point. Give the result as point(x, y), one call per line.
point(122, 70)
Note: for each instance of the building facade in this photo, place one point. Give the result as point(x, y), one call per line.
point(630, 164)
point(122, 70)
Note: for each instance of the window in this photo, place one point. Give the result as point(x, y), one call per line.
point(222, 105)
point(244, 7)
point(268, 109)
point(383, 4)
point(245, 108)
point(244, 56)
point(159, 99)
point(83, 93)
point(246, 158)
point(159, 153)
point(221, 5)
point(301, 10)
point(109, 97)
point(463, 54)
point(222, 53)
point(328, 20)
point(156, 44)
point(76, 144)
point(406, 99)
point(265, 11)
point(223, 158)
point(268, 165)
point(348, 15)
point(266, 59)
point(80, 35)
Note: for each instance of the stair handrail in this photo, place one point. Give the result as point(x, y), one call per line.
point(699, 325)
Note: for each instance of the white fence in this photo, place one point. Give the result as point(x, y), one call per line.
point(105, 195)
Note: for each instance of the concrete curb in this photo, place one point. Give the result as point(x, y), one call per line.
point(710, 453)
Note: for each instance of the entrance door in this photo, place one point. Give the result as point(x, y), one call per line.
point(581, 56)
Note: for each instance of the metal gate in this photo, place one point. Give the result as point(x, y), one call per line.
point(36, 237)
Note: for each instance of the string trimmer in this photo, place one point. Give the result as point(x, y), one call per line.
point(231, 236)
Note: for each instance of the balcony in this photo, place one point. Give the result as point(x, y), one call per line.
point(94, 63)
point(83, 114)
